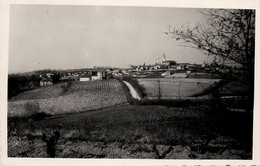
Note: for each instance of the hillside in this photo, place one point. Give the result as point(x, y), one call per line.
point(129, 131)
point(39, 93)
point(63, 99)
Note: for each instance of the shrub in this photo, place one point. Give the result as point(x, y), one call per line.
point(40, 116)
point(32, 108)
point(66, 86)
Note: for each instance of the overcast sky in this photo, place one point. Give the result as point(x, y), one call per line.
point(70, 37)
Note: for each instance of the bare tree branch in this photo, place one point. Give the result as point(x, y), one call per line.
point(230, 35)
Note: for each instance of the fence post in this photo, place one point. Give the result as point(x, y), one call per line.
point(159, 90)
point(179, 90)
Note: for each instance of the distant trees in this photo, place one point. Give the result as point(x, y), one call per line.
point(18, 83)
point(56, 78)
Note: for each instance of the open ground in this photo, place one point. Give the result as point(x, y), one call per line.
point(178, 129)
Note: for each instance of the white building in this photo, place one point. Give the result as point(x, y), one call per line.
point(45, 82)
point(84, 78)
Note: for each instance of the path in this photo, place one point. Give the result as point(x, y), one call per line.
point(133, 92)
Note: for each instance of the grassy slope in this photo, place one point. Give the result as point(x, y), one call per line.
point(39, 93)
point(128, 124)
point(57, 90)
point(81, 96)
point(157, 125)
point(126, 114)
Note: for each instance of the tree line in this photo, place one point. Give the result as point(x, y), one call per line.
point(18, 83)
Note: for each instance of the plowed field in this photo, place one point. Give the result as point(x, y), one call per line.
point(81, 96)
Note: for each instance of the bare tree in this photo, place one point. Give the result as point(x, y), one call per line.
point(229, 34)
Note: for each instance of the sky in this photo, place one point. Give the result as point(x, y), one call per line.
point(73, 37)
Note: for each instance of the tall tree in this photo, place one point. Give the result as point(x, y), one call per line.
point(229, 34)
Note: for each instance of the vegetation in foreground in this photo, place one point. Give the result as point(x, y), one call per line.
point(181, 129)
point(137, 132)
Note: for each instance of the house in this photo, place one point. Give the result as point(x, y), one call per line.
point(98, 75)
point(93, 75)
point(169, 63)
point(183, 66)
point(46, 82)
point(85, 78)
point(49, 75)
point(167, 73)
point(117, 73)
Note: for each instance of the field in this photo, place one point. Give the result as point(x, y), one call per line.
point(169, 88)
point(107, 86)
point(129, 131)
point(77, 97)
point(94, 120)
point(41, 92)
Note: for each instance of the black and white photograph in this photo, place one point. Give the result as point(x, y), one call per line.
point(130, 82)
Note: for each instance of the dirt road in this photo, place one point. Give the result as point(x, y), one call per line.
point(133, 92)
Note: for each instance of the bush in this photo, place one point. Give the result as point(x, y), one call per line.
point(33, 111)
point(18, 83)
point(66, 86)
point(32, 108)
point(40, 116)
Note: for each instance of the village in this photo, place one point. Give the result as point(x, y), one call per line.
point(129, 82)
point(165, 68)
point(132, 112)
